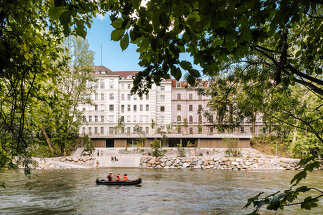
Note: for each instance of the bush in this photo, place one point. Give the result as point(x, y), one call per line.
point(180, 151)
point(232, 145)
point(155, 145)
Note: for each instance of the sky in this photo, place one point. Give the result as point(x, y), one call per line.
point(112, 56)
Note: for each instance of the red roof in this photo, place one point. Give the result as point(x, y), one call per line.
point(184, 83)
point(102, 69)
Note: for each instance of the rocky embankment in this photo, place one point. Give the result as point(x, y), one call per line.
point(228, 163)
point(64, 162)
point(249, 159)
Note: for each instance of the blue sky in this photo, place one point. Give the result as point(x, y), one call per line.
point(112, 56)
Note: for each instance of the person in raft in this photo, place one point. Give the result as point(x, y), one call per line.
point(118, 177)
point(125, 177)
point(110, 176)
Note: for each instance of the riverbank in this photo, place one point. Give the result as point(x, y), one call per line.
point(194, 158)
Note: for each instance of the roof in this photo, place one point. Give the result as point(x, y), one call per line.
point(125, 74)
point(100, 69)
point(185, 84)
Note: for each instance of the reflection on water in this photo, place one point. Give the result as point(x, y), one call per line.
point(161, 192)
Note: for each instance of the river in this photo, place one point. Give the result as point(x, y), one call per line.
point(162, 191)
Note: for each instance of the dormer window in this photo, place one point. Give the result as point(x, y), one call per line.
point(178, 84)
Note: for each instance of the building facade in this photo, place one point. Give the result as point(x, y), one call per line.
point(119, 119)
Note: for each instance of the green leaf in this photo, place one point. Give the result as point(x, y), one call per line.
point(176, 72)
point(191, 80)
point(298, 177)
point(124, 42)
point(185, 65)
point(309, 203)
point(117, 34)
point(195, 73)
point(117, 23)
point(55, 12)
point(163, 19)
point(65, 18)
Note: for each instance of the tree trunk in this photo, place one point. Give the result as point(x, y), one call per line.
point(254, 123)
point(47, 139)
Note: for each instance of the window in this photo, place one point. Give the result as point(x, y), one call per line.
point(122, 96)
point(190, 119)
point(199, 108)
point(162, 108)
point(135, 118)
point(110, 130)
point(147, 130)
point(199, 97)
point(141, 108)
point(111, 83)
point(111, 96)
point(128, 96)
point(90, 118)
point(96, 118)
point(191, 130)
point(122, 108)
point(179, 118)
point(242, 130)
point(96, 96)
point(95, 107)
point(211, 119)
point(102, 96)
point(190, 96)
point(200, 119)
point(140, 97)
point(128, 108)
point(179, 107)
point(147, 97)
point(95, 130)
point(162, 119)
point(111, 118)
point(111, 107)
point(83, 130)
point(122, 86)
point(134, 107)
point(128, 130)
point(147, 107)
point(134, 97)
point(147, 118)
point(102, 84)
point(178, 84)
point(211, 130)
point(162, 97)
point(162, 88)
point(140, 118)
point(190, 108)
point(179, 96)
point(102, 130)
point(179, 130)
point(102, 118)
point(128, 118)
point(84, 109)
point(90, 130)
point(129, 86)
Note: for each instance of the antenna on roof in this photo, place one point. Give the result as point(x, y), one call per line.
point(101, 54)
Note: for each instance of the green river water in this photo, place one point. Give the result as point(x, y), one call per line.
point(163, 191)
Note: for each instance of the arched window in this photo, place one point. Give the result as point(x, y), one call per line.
point(191, 120)
point(200, 119)
point(179, 118)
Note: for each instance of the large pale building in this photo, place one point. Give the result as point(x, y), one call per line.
point(119, 119)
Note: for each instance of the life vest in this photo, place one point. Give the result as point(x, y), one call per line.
point(125, 178)
point(118, 177)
